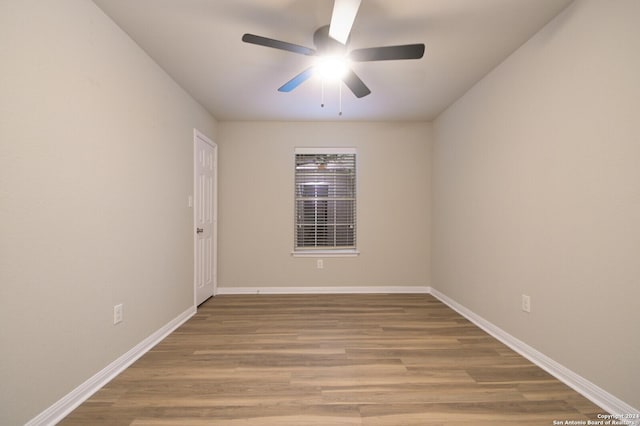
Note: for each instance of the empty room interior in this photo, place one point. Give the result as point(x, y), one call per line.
point(196, 227)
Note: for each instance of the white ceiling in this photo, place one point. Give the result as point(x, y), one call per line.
point(198, 42)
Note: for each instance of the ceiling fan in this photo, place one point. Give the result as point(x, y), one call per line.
point(331, 43)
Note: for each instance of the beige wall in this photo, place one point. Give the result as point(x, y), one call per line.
point(536, 190)
point(256, 204)
point(96, 153)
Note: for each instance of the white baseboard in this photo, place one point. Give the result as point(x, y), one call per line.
point(589, 390)
point(68, 403)
point(324, 290)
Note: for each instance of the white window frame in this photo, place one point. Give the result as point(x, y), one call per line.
point(325, 252)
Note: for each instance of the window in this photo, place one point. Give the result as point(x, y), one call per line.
point(325, 201)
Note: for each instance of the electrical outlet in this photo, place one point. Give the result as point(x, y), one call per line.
point(526, 303)
point(320, 264)
point(117, 314)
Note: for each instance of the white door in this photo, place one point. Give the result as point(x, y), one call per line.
point(205, 217)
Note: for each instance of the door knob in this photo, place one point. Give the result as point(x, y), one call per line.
point(199, 230)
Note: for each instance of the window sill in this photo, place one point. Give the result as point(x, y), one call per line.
point(326, 253)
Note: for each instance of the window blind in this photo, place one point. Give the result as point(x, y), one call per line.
point(325, 201)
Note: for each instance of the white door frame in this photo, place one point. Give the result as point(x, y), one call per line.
point(199, 136)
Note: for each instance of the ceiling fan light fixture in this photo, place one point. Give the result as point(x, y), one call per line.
point(332, 68)
point(333, 62)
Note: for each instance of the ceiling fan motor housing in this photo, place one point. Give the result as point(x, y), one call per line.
point(327, 45)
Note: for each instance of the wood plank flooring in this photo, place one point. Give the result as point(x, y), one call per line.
point(399, 359)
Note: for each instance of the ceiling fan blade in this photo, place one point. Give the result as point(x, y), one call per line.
point(356, 85)
point(388, 53)
point(344, 13)
point(297, 80)
point(277, 44)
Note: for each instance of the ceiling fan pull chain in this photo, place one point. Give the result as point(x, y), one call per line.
point(340, 97)
point(322, 93)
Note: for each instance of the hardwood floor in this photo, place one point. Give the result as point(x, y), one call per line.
point(396, 359)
